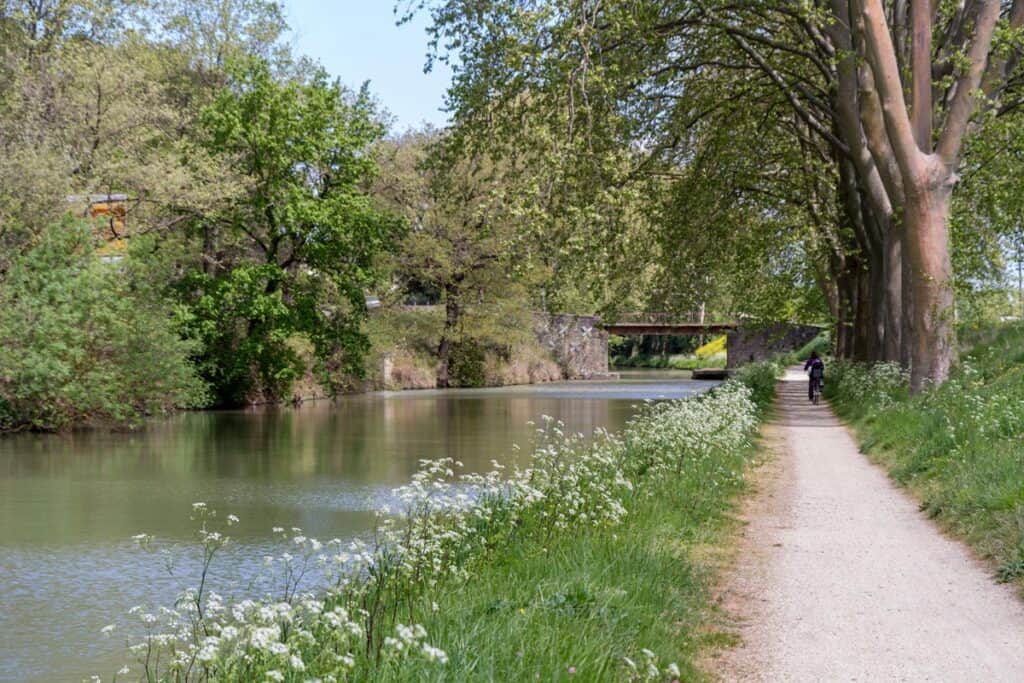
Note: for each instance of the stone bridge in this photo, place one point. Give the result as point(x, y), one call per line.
point(579, 343)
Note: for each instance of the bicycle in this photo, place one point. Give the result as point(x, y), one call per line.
point(815, 390)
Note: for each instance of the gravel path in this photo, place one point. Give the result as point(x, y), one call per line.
point(841, 578)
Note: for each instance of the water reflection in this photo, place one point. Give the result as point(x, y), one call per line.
point(68, 503)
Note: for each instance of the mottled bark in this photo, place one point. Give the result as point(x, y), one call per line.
point(932, 345)
point(927, 178)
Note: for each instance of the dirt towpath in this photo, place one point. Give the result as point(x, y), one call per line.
point(841, 578)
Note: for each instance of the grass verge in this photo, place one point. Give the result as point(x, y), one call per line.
point(958, 448)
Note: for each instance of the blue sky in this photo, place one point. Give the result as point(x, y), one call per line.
point(358, 41)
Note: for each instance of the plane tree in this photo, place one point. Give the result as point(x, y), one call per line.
point(885, 92)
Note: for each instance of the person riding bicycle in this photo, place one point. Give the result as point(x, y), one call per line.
point(815, 368)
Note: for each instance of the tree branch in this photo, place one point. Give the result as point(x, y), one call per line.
point(963, 101)
point(882, 58)
point(921, 70)
point(776, 78)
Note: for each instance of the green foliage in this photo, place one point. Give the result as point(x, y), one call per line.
point(83, 342)
point(244, 332)
point(762, 379)
point(637, 185)
point(673, 362)
point(296, 251)
point(415, 328)
point(822, 345)
point(459, 250)
point(467, 364)
point(958, 447)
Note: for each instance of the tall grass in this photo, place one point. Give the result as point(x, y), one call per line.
point(959, 447)
point(586, 564)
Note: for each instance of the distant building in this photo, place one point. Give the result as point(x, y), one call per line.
point(110, 214)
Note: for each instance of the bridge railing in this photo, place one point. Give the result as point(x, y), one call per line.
point(657, 318)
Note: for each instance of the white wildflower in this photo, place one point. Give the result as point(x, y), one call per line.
point(435, 654)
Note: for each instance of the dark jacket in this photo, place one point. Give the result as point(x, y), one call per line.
point(817, 367)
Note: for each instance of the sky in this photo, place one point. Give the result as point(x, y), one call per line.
point(358, 41)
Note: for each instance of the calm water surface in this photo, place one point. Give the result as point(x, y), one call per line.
point(70, 504)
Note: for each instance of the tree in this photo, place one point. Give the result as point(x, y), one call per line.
point(458, 247)
point(292, 253)
point(636, 75)
point(86, 342)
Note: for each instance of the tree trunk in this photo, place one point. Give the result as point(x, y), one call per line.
point(451, 321)
point(927, 243)
point(847, 287)
point(880, 304)
point(893, 282)
point(907, 304)
point(863, 316)
point(877, 295)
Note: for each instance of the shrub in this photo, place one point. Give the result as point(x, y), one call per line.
point(761, 379)
point(83, 342)
point(467, 364)
point(865, 387)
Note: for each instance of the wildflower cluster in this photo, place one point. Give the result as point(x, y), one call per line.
point(648, 669)
point(336, 611)
point(672, 435)
point(880, 386)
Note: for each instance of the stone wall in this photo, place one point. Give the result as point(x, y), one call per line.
point(577, 343)
point(750, 343)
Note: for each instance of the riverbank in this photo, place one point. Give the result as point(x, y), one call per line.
point(404, 345)
point(959, 449)
point(325, 468)
point(594, 557)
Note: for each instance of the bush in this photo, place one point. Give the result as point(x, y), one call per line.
point(761, 379)
point(860, 387)
point(467, 364)
point(82, 342)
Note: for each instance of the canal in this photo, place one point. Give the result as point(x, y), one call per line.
point(69, 504)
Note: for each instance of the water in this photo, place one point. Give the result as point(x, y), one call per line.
point(70, 504)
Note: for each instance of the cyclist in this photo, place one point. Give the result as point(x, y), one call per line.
point(815, 368)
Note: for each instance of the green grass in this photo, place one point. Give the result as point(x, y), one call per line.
point(591, 597)
point(587, 600)
point(959, 448)
point(822, 344)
